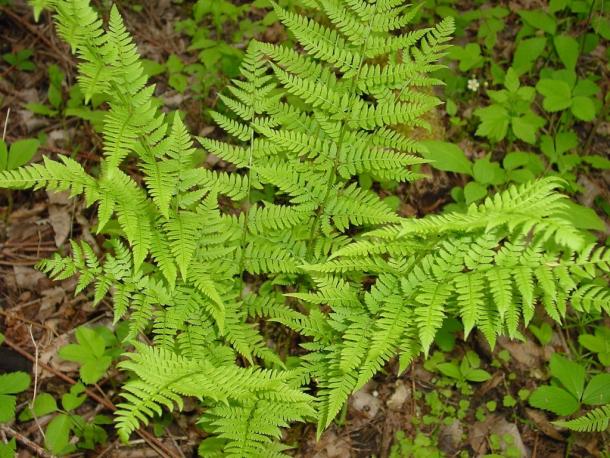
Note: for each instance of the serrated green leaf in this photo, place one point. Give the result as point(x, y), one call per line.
point(583, 217)
point(511, 80)
point(74, 399)
point(14, 382)
point(57, 435)
point(597, 391)
point(43, 405)
point(524, 129)
point(538, 19)
point(570, 374)
point(554, 399)
point(7, 407)
point(447, 157)
point(450, 370)
point(567, 48)
point(3, 155)
point(527, 52)
point(94, 370)
point(597, 162)
point(583, 108)
point(557, 94)
point(494, 122)
point(477, 375)
point(558, 5)
point(8, 450)
point(488, 172)
point(474, 191)
point(21, 152)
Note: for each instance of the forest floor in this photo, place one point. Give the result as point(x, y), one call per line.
point(39, 316)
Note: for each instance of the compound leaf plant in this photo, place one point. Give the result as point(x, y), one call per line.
point(195, 258)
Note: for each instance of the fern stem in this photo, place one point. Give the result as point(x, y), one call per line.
point(245, 229)
point(333, 174)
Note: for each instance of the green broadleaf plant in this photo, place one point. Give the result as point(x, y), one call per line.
point(511, 108)
point(558, 94)
point(566, 397)
point(467, 370)
point(598, 343)
point(446, 156)
point(11, 383)
point(19, 153)
point(288, 236)
point(93, 351)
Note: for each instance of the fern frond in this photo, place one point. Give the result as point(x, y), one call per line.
point(596, 420)
point(164, 377)
point(67, 175)
point(319, 41)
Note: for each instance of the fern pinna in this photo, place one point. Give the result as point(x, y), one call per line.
point(306, 122)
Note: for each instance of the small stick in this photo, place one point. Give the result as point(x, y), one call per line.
point(37, 449)
point(8, 114)
point(35, 382)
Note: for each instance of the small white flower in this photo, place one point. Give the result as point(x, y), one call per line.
point(473, 84)
point(375, 393)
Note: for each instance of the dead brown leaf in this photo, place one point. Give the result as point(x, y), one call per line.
point(27, 277)
point(494, 424)
point(50, 299)
point(50, 357)
point(526, 354)
point(450, 437)
point(543, 424)
point(365, 403)
point(333, 446)
point(401, 393)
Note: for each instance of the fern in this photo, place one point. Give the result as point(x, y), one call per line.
point(205, 266)
point(490, 272)
point(596, 420)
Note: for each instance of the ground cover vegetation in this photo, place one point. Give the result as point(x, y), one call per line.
point(305, 228)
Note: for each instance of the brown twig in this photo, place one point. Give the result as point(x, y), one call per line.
point(8, 114)
point(37, 449)
point(151, 440)
point(35, 369)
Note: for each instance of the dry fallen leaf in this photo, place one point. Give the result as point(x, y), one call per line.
point(50, 299)
point(365, 403)
point(50, 357)
point(503, 428)
point(494, 424)
point(450, 437)
point(544, 424)
point(526, 354)
point(332, 446)
point(399, 397)
point(27, 277)
point(60, 220)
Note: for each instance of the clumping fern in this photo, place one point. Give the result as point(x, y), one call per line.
point(201, 263)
